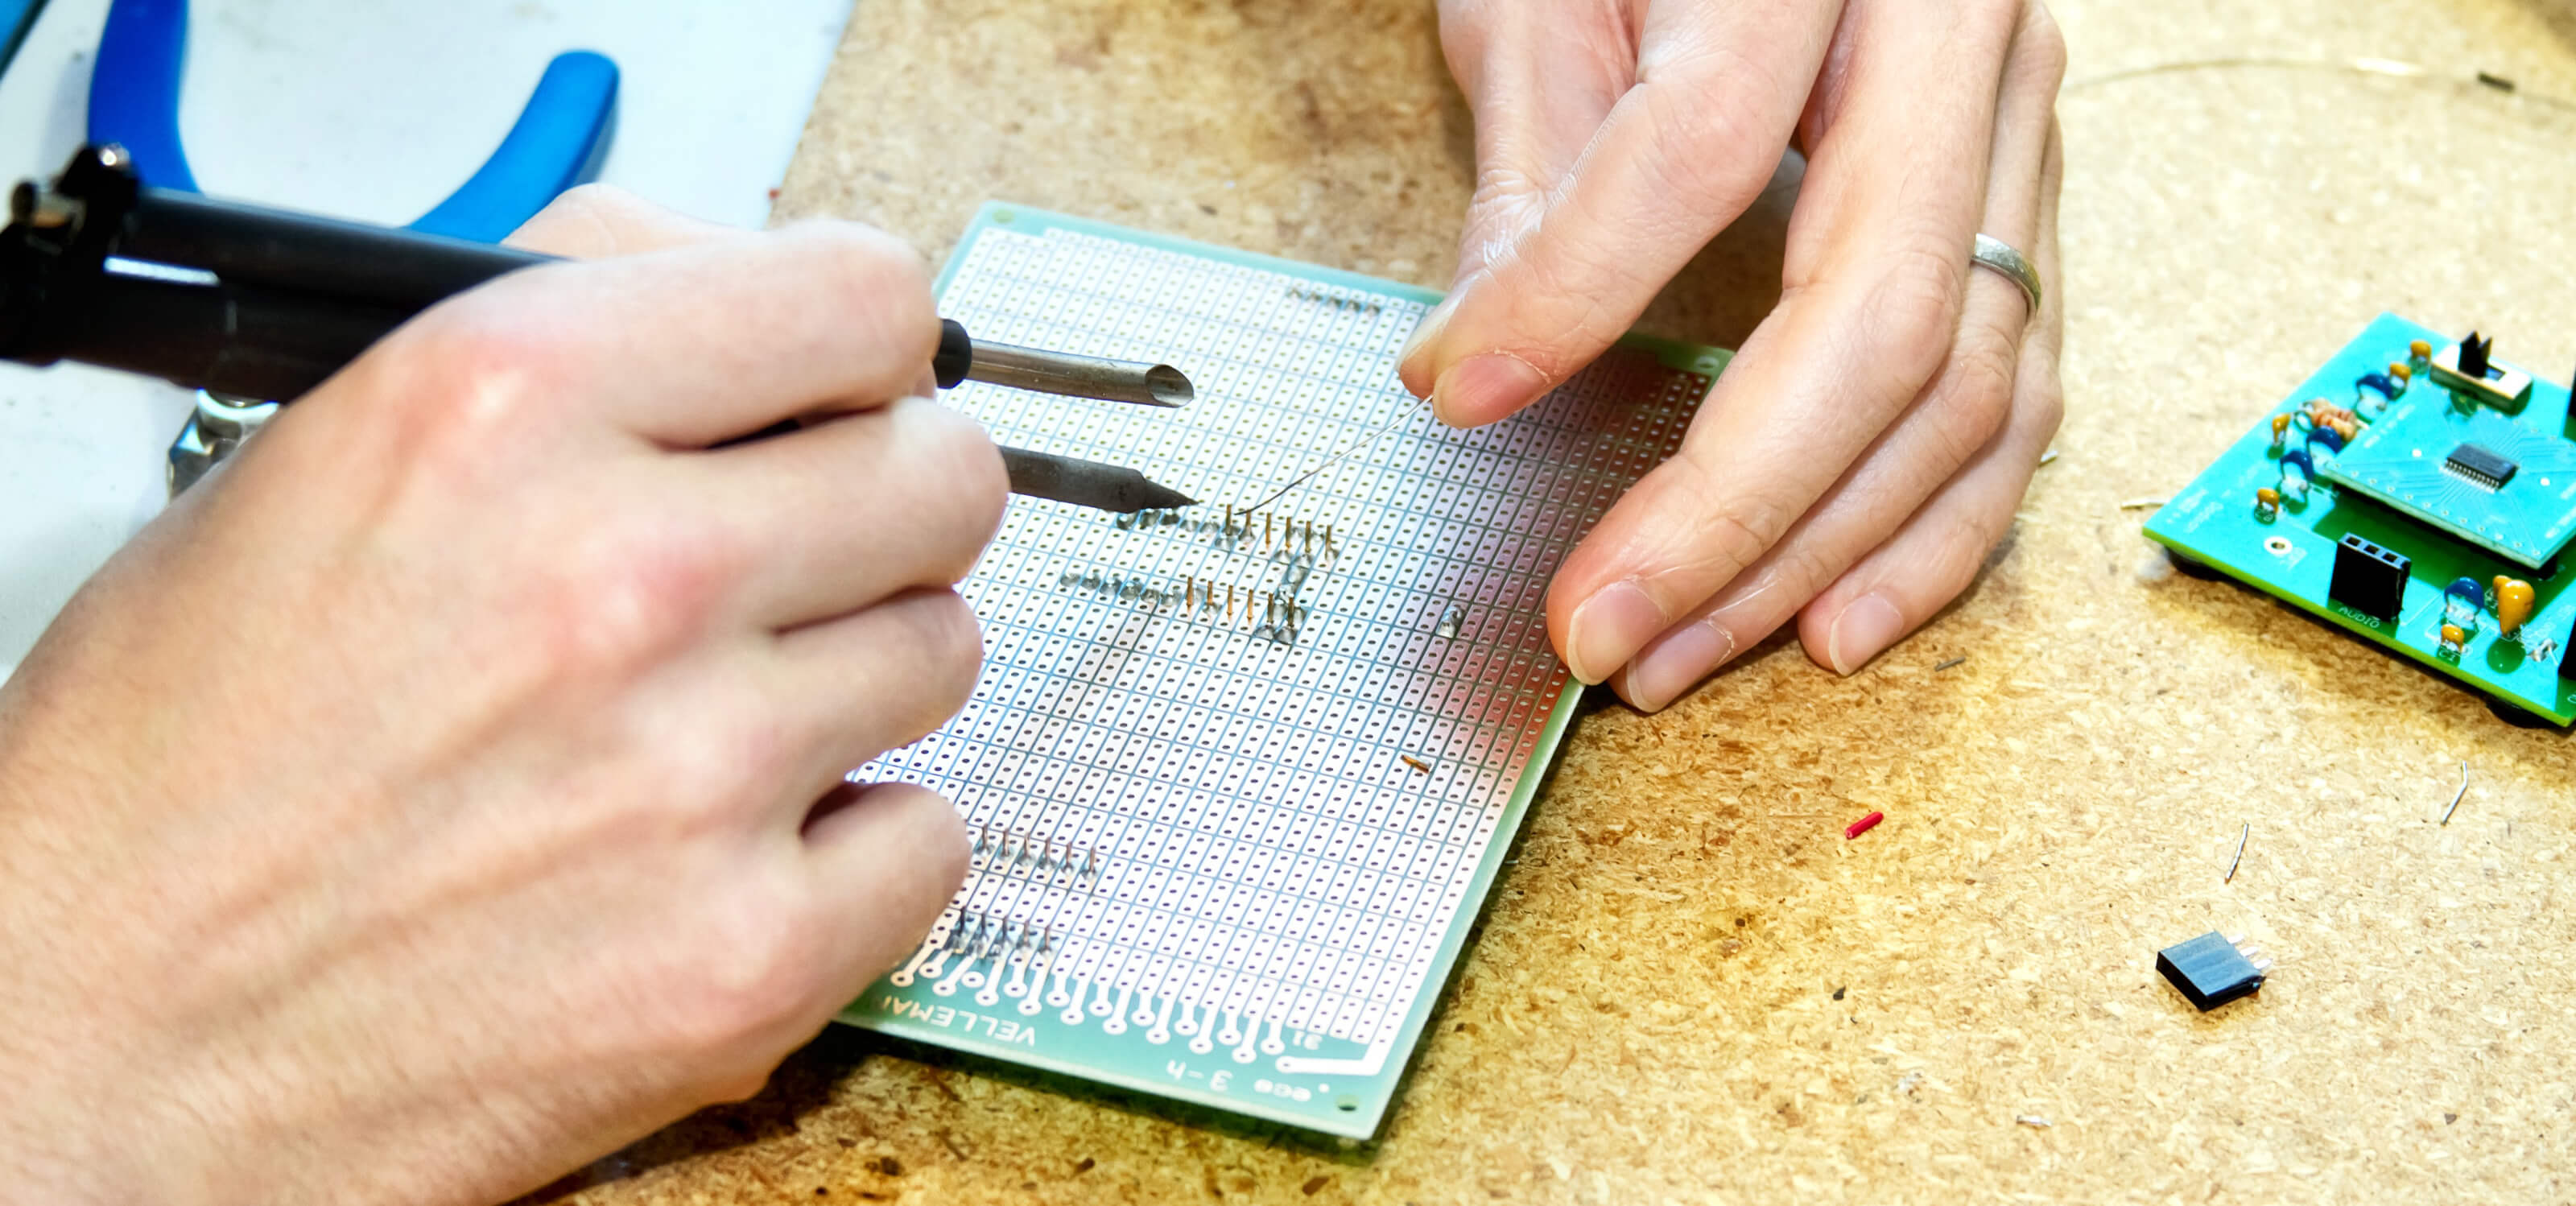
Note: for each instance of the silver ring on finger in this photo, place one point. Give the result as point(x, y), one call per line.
point(1991, 252)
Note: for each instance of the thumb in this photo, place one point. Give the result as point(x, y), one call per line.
point(1539, 79)
point(1678, 155)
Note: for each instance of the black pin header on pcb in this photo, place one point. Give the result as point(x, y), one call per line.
point(2211, 970)
point(2369, 579)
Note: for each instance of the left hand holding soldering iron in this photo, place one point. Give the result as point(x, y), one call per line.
point(1867, 448)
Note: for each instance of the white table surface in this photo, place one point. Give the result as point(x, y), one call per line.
point(374, 110)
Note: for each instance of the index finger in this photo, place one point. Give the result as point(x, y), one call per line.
point(1683, 153)
point(692, 345)
point(595, 221)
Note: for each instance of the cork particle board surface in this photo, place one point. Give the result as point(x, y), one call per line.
point(1690, 987)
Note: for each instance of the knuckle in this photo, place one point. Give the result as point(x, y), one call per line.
point(1914, 309)
point(482, 372)
point(1699, 107)
point(874, 274)
point(756, 978)
point(931, 655)
point(969, 459)
point(713, 772)
point(952, 644)
point(947, 848)
point(1799, 568)
point(2047, 403)
point(1736, 542)
point(1563, 311)
point(950, 452)
point(1466, 26)
point(1975, 397)
point(625, 598)
point(1735, 529)
point(2041, 45)
point(606, 198)
point(736, 1086)
point(592, 202)
point(934, 841)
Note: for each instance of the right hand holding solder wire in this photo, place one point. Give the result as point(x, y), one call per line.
point(449, 789)
point(1865, 451)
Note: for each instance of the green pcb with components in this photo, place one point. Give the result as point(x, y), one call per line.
point(2455, 487)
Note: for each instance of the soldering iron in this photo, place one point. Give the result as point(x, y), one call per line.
point(251, 303)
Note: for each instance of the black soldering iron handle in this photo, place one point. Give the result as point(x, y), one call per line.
point(401, 270)
point(237, 341)
point(956, 355)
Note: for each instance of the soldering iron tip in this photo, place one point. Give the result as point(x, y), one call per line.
point(1156, 496)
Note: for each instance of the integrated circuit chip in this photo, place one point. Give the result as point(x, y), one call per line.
point(2482, 465)
point(2502, 481)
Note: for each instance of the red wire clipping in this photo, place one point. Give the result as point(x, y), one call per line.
point(1863, 825)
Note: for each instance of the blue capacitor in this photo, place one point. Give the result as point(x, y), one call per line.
point(2296, 470)
point(2321, 434)
point(2462, 600)
point(2379, 381)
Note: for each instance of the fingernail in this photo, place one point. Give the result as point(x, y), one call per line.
point(1867, 626)
point(1609, 628)
point(1426, 331)
point(1677, 662)
point(1481, 389)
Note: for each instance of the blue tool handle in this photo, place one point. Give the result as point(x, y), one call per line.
point(134, 88)
point(557, 143)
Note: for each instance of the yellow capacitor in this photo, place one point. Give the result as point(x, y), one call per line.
point(2453, 638)
point(2420, 350)
point(2401, 372)
point(2513, 603)
point(2267, 498)
point(2280, 427)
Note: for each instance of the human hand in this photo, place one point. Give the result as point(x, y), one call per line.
point(1868, 445)
point(449, 790)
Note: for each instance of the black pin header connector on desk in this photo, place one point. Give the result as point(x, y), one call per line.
point(249, 302)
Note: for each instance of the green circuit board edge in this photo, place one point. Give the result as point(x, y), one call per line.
point(1349, 1105)
point(2217, 523)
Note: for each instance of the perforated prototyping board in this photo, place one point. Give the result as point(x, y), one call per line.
point(2214, 522)
point(1239, 781)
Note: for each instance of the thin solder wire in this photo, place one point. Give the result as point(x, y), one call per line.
point(2462, 794)
point(1337, 458)
point(2239, 860)
point(2471, 82)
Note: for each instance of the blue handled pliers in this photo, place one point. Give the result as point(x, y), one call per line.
point(557, 142)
